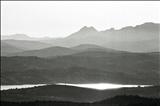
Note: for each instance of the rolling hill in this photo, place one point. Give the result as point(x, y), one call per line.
point(92, 47)
point(62, 51)
point(47, 52)
point(84, 67)
point(26, 45)
point(7, 49)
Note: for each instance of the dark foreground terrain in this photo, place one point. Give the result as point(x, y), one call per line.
point(115, 101)
point(62, 95)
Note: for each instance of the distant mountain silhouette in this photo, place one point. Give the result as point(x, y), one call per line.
point(147, 33)
point(26, 45)
point(83, 32)
point(22, 37)
point(140, 38)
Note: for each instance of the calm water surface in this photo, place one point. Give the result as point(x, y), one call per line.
point(99, 86)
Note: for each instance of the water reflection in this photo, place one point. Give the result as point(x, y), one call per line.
point(99, 86)
point(102, 86)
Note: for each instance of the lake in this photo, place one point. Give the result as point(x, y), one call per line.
point(99, 86)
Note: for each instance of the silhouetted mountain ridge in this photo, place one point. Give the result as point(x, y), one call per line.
point(124, 39)
point(146, 34)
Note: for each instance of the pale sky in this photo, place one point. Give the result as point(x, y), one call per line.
point(61, 18)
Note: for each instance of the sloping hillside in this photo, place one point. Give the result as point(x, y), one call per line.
point(74, 94)
point(47, 52)
point(7, 49)
point(26, 45)
point(84, 67)
point(61, 51)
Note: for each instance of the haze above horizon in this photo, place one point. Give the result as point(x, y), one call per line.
point(60, 19)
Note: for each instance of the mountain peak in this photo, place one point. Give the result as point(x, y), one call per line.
point(88, 29)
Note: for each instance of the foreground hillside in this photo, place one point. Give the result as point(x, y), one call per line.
point(116, 101)
point(84, 67)
point(74, 94)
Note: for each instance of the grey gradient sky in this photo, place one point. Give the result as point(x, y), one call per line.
point(61, 18)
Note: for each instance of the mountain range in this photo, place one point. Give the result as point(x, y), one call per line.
point(140, 38)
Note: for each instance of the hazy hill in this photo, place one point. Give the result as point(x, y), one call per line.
point(8, 49)
point(47, 52)
point(16, 37)
point(74, 94)
point(87, 46)
point(84, 67)
point(26, 45)
point(61, 51)
point(152, 45)
point(21, 37)
point(92, 47)
point(147, 36)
